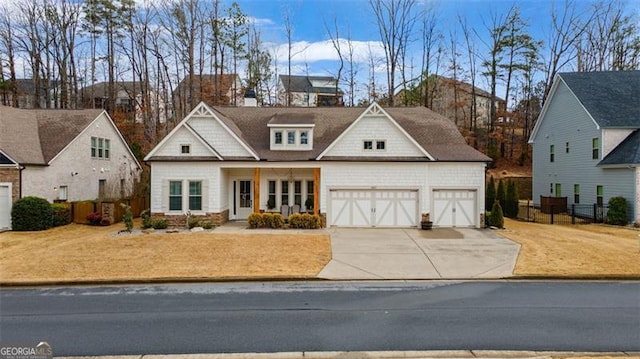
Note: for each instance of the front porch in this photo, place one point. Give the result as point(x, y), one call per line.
point(271, 189)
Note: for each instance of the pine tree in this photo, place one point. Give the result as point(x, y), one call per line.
point(511, 206)
point(496, 219)
point(490, 194)
point(501, 194)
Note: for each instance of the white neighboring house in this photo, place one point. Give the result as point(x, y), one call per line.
point(358, 167)
point(63, 155)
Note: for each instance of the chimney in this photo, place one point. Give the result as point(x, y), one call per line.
point(250, 99)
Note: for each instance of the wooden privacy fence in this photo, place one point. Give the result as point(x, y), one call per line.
point(80, 210)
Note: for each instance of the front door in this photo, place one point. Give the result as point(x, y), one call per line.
point(244, 199)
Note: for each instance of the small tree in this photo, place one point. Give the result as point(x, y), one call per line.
point(511, 201)
point(496, 218)
point(490, 194)
point(617, 213)
point(501, 194)
point(31, 214)
point(128, 217)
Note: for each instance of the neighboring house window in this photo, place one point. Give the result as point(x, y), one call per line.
point(100, 147)
point(284, 194)
point(566, 147)
point(185, 149)
point(102, 188)
point(63, 193)
point(195, 196)
point(304, 137)
point(278, 138)
point(297, 193)
point(175, 195)
point(551, 188)
point(599, 195)
point(272, 194)
point(558, 190)
point(595, 148)
point(576, 193)
point(368, 145)
point(551, 154)
point(122, 188)
point(291, 138)
point(381, 145)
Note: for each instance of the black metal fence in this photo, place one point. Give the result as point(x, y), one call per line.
point(574, 214)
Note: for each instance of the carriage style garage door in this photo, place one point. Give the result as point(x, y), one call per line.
point(373, 208)
point(454, 208)
point(5, 206)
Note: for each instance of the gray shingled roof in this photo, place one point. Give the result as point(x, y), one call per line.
point(36, 136)
point(611, 97)
point(626, 153)
point(435, 133)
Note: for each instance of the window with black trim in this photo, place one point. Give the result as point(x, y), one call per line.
point(381, 145)
point(368, 145)
point(185, 149)
point(551, 153)
point(195, 195)
point(595, 148)
point(599, 195)
point(175, 195)
point(576, 193)
point(278, 137)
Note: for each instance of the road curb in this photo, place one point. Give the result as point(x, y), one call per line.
point(428, 354)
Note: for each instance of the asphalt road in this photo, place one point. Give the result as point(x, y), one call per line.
point(323, 316)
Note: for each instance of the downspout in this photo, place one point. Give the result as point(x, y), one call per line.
point(20, 169)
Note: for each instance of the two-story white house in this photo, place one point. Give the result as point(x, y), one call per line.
point(359, 167)
point(309, 91)
point(64, 155)
point(586, 142)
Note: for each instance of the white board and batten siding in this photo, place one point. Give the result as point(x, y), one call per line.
point(456, 194)
point(218, 137)
point(181, 137)
point(375, 128)
point(164, 172)
point(5, 206)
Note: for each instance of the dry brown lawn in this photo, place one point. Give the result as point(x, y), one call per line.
point(94, 254)
point(574, 251)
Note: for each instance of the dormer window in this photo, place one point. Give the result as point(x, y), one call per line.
point(289, 135)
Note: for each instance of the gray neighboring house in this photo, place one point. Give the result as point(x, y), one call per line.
point(309, 91)
point(586, 143)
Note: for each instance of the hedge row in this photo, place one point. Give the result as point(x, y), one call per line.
point(266, 220)
point(37, 214)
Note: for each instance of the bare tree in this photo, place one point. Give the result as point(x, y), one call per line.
point(395, 20)
point(336, 42)
point(567, 26)
point(7, 44)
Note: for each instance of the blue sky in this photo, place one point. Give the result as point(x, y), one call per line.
point(355, 20)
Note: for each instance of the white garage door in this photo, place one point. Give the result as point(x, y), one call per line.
point(373, 208)
point(454, 208)
point(5, 206)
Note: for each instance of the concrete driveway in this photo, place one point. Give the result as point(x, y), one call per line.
point(440, 253)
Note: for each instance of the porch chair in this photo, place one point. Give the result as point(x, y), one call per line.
point(295, 208)
point(284, 211)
